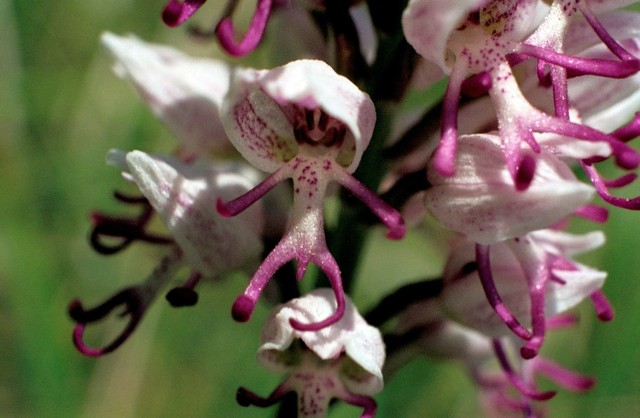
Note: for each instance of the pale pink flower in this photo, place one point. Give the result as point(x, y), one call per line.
point(343, 360)
point(184, 197)
point(182, 91)
point(484, 38)
point(305, 122)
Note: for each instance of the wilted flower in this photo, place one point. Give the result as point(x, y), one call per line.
point(343, 360)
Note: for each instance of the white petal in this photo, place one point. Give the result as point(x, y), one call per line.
point(184, 92)
point(428, 24)
point(366, 31)
point(255, 123)
point(580, 284)
point(351, 335)
point(263, 133)
point(313, 84)
point(185, 198)
point(559, 242)
point(481, 202)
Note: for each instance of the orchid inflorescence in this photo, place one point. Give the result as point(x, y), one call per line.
point(539, 94)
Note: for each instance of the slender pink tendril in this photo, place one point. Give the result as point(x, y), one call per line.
point(253, 36)
point(491, 292)
point(516, 380)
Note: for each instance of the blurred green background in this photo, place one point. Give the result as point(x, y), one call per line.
point(61, 110)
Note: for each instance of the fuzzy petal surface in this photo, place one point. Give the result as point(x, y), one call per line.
point(184, 92)
point(481, 202)
point(185, 198)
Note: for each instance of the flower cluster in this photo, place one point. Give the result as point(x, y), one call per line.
point(539, 96)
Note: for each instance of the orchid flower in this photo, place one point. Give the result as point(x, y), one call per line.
point(343, 360)
point(526, 280)
point(505, 384)
point(481, 37)
point(479, 201)
point(188, 105)
point(305, 122)
point(184, 197)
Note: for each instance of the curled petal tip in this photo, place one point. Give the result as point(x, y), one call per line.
point(176, 13)
point(606, 316)
point(532, 347)
point(528, 353)
point(75, 310)
point(78, 333)
point(586, 384)
point(444, 166)
point(317, 326)
point(245, 397)
point(171, 16)
point(225, 31)
point(543, 396)
point(602, 306)
point(397, 229)
point(444, 158)
point(628, 159)
point(223, 209)
point(242, 308)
